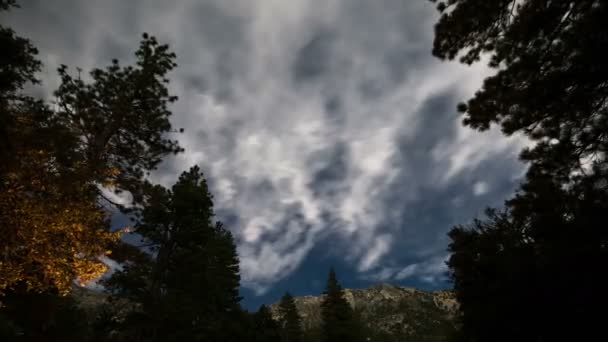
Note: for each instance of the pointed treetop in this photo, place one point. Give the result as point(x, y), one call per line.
point(291, 322)
point(332, 282)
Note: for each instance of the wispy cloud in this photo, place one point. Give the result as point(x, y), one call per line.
point(432, 271)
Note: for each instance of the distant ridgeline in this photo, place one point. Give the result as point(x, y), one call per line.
point(387, 313)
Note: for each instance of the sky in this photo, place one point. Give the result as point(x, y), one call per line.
point(327, 131)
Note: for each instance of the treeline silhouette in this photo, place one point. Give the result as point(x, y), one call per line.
point(532, 270)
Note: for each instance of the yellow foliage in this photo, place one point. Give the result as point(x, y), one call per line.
point(50, 233)
point(46, 247)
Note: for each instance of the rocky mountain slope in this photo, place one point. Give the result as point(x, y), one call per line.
point(387, 312)
point(390, 313)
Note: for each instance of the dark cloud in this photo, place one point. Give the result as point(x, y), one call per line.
point(224, 33)
point(333, 105)
point(329, 179)
point(314, 58)
point(419, 210)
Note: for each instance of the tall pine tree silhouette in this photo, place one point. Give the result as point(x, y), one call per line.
point(266, 329)
point(339, 323)
point(509, 269)
point(291, 322)
point(190, 290)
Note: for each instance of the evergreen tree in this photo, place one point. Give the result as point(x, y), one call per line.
point(18, 66)
point(190, 289)
point(265, 328)
point(339, 323)
point(551, 85)
point(291, 322)
point(509, 269)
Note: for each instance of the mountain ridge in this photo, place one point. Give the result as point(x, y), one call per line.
point(389, 312)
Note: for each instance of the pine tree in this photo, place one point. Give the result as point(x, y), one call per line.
point(291, 322)
point(509, 269)
point(339, 323)
point(190, 290)
point(18, 67)
point(265, 328)
point(551, 74)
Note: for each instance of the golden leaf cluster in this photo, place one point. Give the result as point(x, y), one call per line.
point(52, 228)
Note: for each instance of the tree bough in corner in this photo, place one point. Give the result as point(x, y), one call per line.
point(53, 221)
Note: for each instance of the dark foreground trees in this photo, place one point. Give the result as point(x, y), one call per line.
point(531, 271)
point(107, 133)
point(290, 321)
point(55, 160)
point(189, 291)
point(265, 327)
